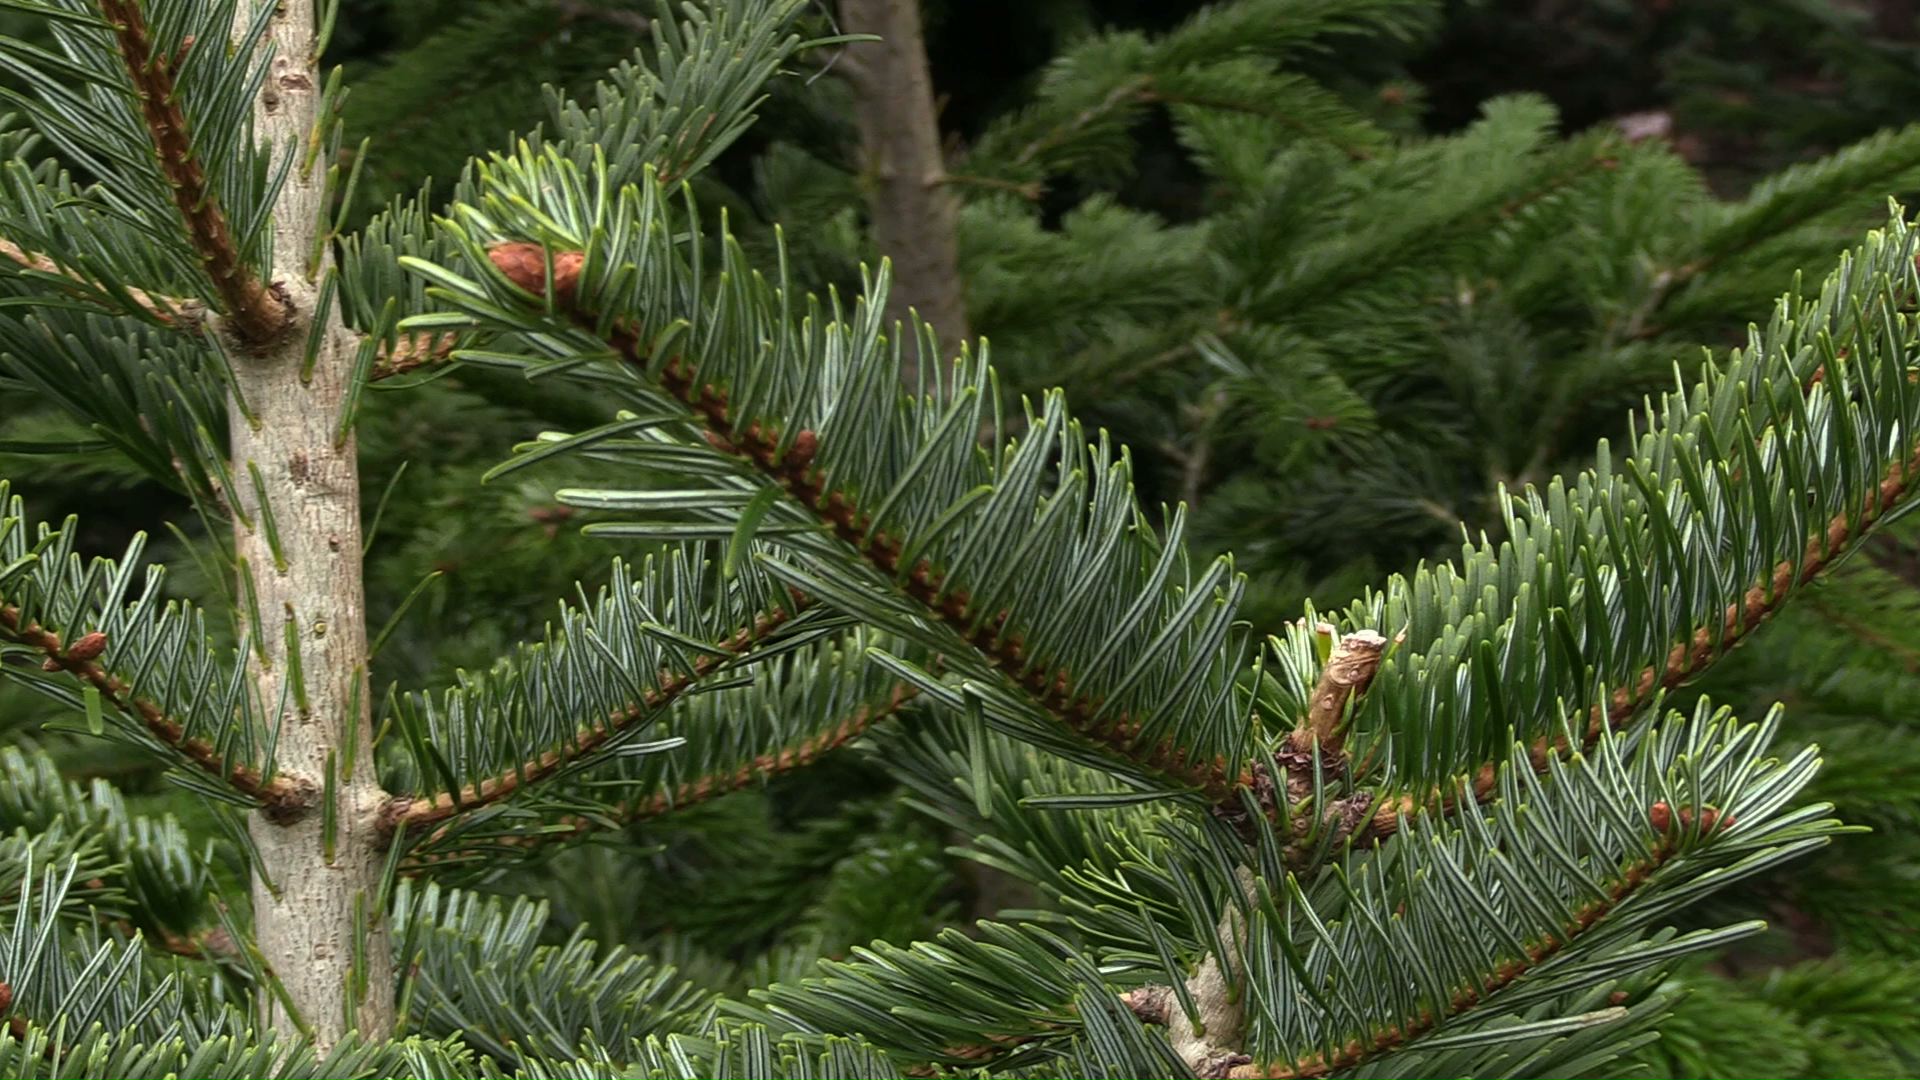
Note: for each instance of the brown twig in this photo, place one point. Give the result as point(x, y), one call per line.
point(166, 309)
point(525, 265)
point(1313, 752)
point(414, 351)
point(404, 812)
point(706, 787)
point(258, 314)
point(17, 1026)
point(406, 354)
point(284, 798)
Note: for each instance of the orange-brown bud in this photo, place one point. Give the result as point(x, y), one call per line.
point(89, 647)
point(566, 273)
point(1661, 815)
point(523, 264)
point(805, 445)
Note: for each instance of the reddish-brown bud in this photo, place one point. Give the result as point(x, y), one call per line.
point(805, 445)
point(89, 647)
point(523, 264)
point(6, 997)
point(526, 266)
point(566, 273)
point(1661, 815)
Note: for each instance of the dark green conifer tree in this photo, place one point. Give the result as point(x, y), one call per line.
point(1329, 334)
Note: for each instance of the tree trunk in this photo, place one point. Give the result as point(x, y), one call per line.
point(315, 920)
point(912, 208)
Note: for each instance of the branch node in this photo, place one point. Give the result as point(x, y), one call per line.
point(1348, 671)
point(260, 316)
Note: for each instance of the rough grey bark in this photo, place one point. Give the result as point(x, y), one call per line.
point(307, 910)
point(913, 210)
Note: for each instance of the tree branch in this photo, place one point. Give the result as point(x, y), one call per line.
point(408, 353)
point(259, 316)
point(403, 813)
point(284, 797)
point(1211, 1051)
point(1689, 658)
point(692, 792)
point(170, 310)
point(1360, 1051)
point(1216, 1055)
point(1208, 1043)
point(525, 265)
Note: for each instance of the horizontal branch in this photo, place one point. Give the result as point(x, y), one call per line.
point(928, 586)
point(1158, 1005)
point(410, 352)
point(1688, 658)
point(402, 813)
point(525, 265)
point(166, 309)
point(692, 792)
point(284, 798)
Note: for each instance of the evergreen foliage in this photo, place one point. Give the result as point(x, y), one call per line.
point(1459, 824)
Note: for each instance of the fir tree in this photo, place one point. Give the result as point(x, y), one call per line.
point(1443, 834)
point(1362, 349)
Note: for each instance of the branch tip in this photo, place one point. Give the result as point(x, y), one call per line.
point(1348, 672)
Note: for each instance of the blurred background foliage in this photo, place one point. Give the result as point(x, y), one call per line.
point(1333, 292)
